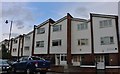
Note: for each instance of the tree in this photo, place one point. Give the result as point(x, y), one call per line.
point(5, 53)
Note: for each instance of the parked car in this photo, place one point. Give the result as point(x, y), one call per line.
point(4, 66)
point(31, 64)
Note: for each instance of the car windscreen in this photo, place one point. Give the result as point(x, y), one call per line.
point(3, 62)
point(37, 58)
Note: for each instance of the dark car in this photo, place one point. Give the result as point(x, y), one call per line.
point(4, 66)
point(30, 65)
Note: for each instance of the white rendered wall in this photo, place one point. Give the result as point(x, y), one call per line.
point(80, 34)
point(42, 37)
point(59, 35)
point(28, 43)
point(102, 32)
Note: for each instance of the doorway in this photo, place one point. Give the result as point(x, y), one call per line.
point(100, 62)
point(57, 59)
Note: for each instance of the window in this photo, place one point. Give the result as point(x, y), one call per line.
point(107, 40)
point(15, 41)
point(40, 30)
point(26, 48)
point(83, 42)
point(63, 57)
point(82, 26)
point(57, 28)
point(14, 49)
point(40, 44)
point(76, 58)
point(27, 37)
point(105, 23)
point(56, 42)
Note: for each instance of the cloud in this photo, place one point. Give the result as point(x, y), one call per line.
point(77, 10)
point(21, 15)
point(19, 24)
point(17, 11)
point(12, 34)
point(83, 9)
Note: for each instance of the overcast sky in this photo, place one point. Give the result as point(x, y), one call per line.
point(27, 14)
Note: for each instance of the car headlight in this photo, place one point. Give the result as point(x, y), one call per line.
point(8, 67)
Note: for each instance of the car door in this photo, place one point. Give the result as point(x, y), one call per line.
point(22, 63)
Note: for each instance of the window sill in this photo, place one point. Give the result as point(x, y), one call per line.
point(93, 66)
point(39, 47)
point(108, 44)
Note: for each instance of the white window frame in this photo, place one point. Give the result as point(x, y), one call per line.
point(26, 48)
point(82, 26)
point(27, 37)
point(59, 42)
point(82, 43)
point(107, 40)
point(40, 30)
point(64, 57)
point(105, 23)
point(39, 43)
point(57, 28)
point(14, 49)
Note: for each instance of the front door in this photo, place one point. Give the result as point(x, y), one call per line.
point(57, 59)
point(100, 62)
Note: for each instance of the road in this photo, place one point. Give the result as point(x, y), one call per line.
point(54, 73)
point(39, 73)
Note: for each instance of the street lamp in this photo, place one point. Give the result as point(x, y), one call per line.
point(10, 31)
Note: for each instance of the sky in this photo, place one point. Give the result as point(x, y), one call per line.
point(26, 14)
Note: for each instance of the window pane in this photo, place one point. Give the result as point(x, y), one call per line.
point(111, 40)
point(57, 28)
point(84, 41)
point(26, 48)
point(27, 37)
point(41, 30)
point(82, 26)
point(105, 23)
point(78, 26)
point(78, 42)
point(63, 58)
point(40, 44)
point(56, 42)
point(107, 40)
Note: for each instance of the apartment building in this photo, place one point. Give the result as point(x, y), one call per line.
point(73, 41)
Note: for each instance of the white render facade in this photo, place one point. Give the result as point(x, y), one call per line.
point(27, 46)
point(17, 46)
point(43, 39)
point(86, 42)
point(105, 31)
point(58, 41)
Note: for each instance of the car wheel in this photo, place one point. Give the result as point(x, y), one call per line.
point(13, 70)
point(28, 71)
